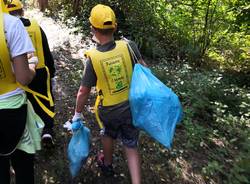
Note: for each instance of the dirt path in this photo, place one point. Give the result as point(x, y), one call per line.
point(158, 164)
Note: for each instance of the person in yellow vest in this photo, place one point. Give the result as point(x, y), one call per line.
point(39, 83)
point(19, 137)
point(109, 67)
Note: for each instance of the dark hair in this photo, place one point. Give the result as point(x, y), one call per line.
point(15, 12)
point(105, 32)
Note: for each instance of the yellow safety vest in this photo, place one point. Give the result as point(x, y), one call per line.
point(36, 37)
point(7, 78)
point(35, 34)
point(114, 71)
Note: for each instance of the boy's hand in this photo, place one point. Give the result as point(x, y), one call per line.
point(77, 116)
point(33, 60)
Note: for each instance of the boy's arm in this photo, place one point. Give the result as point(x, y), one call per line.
point(88, 80)
point(24, 72)
point(81, 99)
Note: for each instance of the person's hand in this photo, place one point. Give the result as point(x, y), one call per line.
point(33, 62)
point(77, 116)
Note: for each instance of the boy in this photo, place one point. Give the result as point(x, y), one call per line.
point(109, 67)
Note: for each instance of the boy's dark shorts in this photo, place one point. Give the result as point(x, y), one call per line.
point(118, 124)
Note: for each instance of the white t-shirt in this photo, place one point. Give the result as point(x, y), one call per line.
point(18, 42)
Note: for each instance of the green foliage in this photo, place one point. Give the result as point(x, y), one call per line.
point(232, 52)
point(216, 118)
point(240, 171)
point(199, 31)
point(211, 169)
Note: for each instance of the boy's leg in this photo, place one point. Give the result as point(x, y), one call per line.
point(130, 136)
point(133, 158)
point(107, 143)
point(4, 170)
point(39, 84)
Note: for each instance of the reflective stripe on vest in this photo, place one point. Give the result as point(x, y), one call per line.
point(37, 95)
point(114, 70)
point(36, 37)
point(7, 78)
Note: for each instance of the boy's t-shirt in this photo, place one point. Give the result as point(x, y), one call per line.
point(17, 37)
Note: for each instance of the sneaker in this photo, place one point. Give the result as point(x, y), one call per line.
point(107, 170)
point(47, 141)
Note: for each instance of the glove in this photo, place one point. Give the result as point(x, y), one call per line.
point(77, 116)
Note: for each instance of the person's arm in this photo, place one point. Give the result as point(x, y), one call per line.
point(82, 97)
point(24, 71)
point(20, 44)
point(88, 81)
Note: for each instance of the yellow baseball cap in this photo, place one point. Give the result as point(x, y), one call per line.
point(15, 5)
point(102, 17)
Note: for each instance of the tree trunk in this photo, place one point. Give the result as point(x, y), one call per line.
point(76, 4)
point(43, 4)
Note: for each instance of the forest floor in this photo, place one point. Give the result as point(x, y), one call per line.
point(159, 165)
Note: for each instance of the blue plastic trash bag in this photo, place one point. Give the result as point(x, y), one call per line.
point(78, 148)
point(155, 108)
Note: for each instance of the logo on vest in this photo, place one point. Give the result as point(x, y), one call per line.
point(116, 74)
